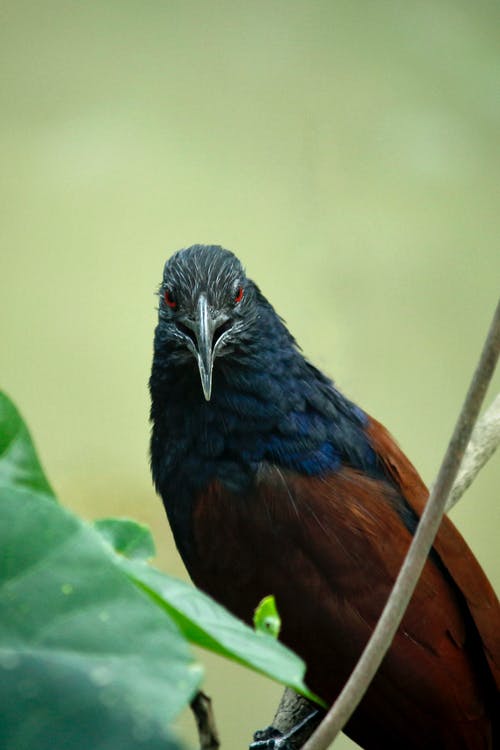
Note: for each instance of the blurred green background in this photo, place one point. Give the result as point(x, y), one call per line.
point(348, 152)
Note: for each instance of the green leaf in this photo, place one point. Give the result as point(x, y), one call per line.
point(127, 537)
point(266, 618)
point(84, 655)
point(206, 623)
point(209, 625)
point(19, 464)
point(86, 659)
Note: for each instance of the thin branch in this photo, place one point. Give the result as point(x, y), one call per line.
point(483, 443)
point(406, 581)
point(201, 706)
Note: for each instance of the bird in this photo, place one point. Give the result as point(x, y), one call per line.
point(274, 482)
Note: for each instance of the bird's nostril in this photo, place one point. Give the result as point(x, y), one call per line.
point(221, 330)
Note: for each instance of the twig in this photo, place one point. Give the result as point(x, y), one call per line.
point(406, 581)
point(201, 706)
point(483, 443)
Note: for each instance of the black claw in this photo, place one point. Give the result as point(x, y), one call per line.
point(273, 739)
point(269, 739)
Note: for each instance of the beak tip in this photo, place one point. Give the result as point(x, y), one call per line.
point(206, 379)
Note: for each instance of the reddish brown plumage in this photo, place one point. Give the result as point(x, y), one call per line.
point(329, 549)
point(452, 549)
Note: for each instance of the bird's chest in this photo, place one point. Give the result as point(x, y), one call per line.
point(196, 443)
point(211, 453)
point(204, 450)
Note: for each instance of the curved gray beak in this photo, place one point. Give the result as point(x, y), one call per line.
point(205, 354)
point(204, 328)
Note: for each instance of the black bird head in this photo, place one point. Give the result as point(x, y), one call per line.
point(205, 307)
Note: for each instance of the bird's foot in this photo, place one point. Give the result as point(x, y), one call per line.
point(269, 739)
point(272, 739)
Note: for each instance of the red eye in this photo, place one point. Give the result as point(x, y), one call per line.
point(239, 295)
point(170, 299)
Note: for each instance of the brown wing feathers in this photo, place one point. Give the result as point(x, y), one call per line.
point(452, 549)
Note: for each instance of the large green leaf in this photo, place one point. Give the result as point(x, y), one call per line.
point(127, 537)
point(19, 464)
point(86, 659)
point(206, 623)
